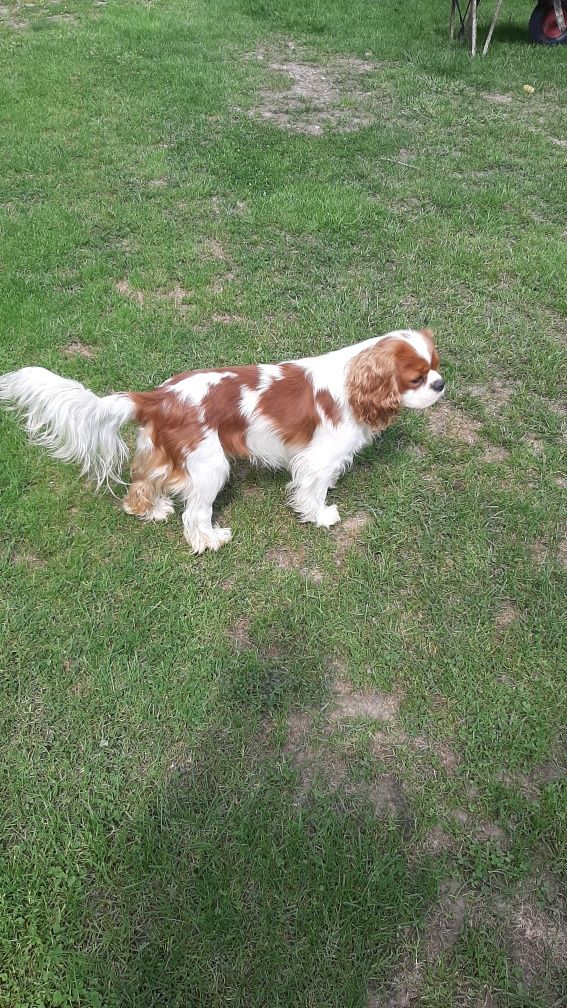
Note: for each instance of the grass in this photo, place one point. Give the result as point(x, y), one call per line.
point(185, 820)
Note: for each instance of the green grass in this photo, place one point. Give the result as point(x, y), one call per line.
point(161, 846)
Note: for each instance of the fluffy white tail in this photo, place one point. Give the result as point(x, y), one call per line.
point(70, 421)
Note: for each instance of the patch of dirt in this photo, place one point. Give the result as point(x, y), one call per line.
point(313, 97)
point(541, 552)
point(436, 842)
point(347, 533)
point(442, 929)
point(494, 396)
point(27, 558)
point(533, 443)
point(78, 349)
point(230, 319)
point(536, 938)
point(495, 453)
point(177, 295)
point(239, 634)
point(495, 98)
point(507, 615)
point(214, 250)
point(125, 288)
point(447, 421)
point(479, 830)
point(157, 183)
point(350, 703)
point(558, 142)
point(288, 559)
point(385, 746)
point(315, 760)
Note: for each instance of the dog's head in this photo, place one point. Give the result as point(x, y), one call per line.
point(400, 369)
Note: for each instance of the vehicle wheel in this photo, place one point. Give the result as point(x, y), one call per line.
point(543, 27)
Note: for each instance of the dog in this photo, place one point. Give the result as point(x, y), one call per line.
point(308, 416)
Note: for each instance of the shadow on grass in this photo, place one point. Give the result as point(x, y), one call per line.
point(229, 891)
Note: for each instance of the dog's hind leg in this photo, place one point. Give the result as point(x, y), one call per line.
point(207, 471)
point(151, 471)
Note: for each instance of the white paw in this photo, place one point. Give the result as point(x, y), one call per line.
point(161, 511)
point(327, 516)
point(211, 539)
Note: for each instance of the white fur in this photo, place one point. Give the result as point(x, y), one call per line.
point(70, 421)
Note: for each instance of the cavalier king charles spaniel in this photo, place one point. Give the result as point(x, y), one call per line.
point(308, 416)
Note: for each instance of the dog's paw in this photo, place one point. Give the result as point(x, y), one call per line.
point(327, 516)
point(211, 539)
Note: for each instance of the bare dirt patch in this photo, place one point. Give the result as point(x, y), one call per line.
point(536, 938)
point(495, 98)
point(317, 762)
point(494, 396)
point(495, 453)
point(449, 422)
point(543, 553)
point(288, 559)
point(348, 533)
point(479, 830)
point(225, 319)
point(313, 97)
point(239, 634)
point(125, 288)
point(507, 615)
point(442, 929)
point(350, 703)
point(27, 558)
point(214, 250)
point(78, 349)
point(177, 295)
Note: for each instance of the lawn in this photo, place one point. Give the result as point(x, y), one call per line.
point(313, 770)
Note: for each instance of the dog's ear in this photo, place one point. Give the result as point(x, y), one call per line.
point(372, 385)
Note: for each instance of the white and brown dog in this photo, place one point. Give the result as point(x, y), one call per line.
point(308, 416)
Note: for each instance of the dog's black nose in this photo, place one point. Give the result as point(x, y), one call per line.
point(438, 385)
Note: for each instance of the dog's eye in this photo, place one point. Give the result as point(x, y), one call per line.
point(417, 381)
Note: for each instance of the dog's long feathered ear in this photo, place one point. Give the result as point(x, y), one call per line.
point(372, 386)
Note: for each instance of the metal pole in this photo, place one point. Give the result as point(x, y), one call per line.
point(492, 26)
point(452, 21)
point(473, 37)
point(558, 8)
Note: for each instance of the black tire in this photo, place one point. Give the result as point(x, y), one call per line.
point(543, 26)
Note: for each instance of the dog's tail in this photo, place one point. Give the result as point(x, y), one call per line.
point(70, 421)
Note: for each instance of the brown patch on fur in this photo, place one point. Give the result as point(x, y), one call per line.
point(221, 408)
point(329, 406)
point(347, 534)
point(289, 404)
point(378, 376)
point(78, 349)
